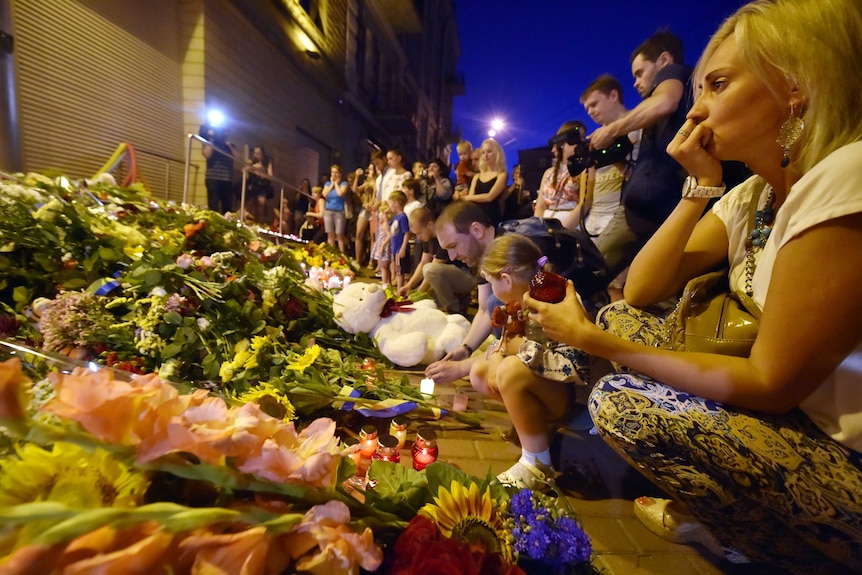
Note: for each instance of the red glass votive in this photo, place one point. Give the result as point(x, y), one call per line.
point(387, 449)
point(424, 448)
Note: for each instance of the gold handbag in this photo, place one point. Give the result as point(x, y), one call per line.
point(709, 317)
point(712, 319)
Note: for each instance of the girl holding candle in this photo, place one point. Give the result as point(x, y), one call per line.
point(532, 375)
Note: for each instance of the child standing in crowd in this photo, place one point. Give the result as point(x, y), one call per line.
point(312, 230)
point(283, 218)
point(413, 192)
point(364, 187)
point(464, 171)
point(399, 228)
point(532, 375)
point(382, 250)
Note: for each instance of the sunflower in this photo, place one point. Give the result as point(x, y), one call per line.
point(271, 401)
point(470, 517)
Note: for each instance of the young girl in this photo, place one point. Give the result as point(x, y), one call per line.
point(364, 187)
point(312, 230)
point(533, 377)
point(382, 250)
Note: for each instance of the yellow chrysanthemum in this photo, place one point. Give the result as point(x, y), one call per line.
point(226, 371)
point(465, 515)
point(69, 474)
point(305, 360)
point(134, 252)
point(271, 401)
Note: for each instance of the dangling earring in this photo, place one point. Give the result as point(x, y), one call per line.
point(788, 134)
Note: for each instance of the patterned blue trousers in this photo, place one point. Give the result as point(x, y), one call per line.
point(774, 487)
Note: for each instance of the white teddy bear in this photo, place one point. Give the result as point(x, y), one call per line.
point(406, 338)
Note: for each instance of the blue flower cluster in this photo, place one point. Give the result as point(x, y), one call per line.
point(543, 535)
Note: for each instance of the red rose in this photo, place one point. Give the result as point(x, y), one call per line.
point(293, 308)
point(443, 557)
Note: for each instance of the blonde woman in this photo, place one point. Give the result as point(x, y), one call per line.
point(762, 453)
point(489, 183)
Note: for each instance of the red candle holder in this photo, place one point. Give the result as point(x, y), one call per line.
point(387, 449)
point(424, 448)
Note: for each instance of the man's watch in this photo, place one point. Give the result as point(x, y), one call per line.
point(469, 349)
point(691, 189)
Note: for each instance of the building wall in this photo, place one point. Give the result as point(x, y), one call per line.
point(93, 74)
point(313, 81)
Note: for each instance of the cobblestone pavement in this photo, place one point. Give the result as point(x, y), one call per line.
point(599, 485)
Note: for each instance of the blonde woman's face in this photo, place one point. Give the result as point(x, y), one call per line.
point(489, 154)
point(735, 106)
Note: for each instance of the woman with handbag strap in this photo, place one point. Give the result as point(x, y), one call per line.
point(761, 453)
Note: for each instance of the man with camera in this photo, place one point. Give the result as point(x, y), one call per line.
point(653, 188)
point(603, 101)
point(219, 176)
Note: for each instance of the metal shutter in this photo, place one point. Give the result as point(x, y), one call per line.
point(94, 73)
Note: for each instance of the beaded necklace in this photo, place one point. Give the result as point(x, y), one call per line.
point(763, 220)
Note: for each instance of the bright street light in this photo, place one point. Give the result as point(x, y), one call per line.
point(497, 124)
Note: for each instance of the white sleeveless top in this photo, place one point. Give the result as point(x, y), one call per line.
point(833, 188)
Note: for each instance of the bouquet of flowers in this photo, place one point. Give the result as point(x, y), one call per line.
point(105, 274)
point(112, 470)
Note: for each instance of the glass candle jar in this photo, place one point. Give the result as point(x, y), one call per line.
point(368, 440)
point(398, 429)
point(424, 448)
point(387, 449)
point(356, 454)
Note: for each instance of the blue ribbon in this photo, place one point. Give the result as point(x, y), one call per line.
point(108, 287)
point(399, 409)
point(103, 286)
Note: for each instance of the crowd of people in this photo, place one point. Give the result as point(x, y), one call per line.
point(746, 162)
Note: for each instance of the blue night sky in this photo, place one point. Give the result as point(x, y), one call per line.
point(528, 62)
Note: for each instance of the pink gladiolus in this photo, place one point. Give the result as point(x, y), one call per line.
point(139, 550)
point(120, 412)
point(12, 381)
point(339, 547)
point(243, 553)
point(310, 457)
point(211, 431)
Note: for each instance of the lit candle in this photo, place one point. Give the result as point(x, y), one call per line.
point(368, 440)
point(426, 386)
point(387, 449)
point(398, 429)
point(424, 448)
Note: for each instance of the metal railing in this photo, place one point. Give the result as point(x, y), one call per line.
point(245, 170)
point(168, 160)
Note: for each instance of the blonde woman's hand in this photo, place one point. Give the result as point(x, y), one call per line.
point(566, 322)
point(689, 148)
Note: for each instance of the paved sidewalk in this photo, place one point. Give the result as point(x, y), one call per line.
point(599, 485)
